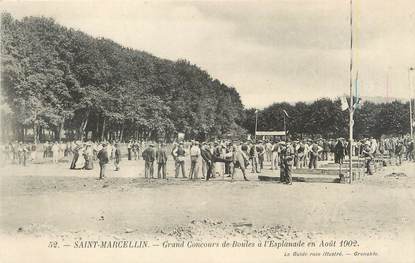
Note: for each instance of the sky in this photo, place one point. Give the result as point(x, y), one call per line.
point(270, 51)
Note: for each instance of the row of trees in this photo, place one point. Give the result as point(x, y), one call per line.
point(58, 79)
point(325, 118)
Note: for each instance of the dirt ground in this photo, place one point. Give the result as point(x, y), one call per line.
point(51, 201)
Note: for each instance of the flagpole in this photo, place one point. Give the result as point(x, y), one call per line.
point(256, 123)
point(285, 127)
point(351, 95)
point(410, 102)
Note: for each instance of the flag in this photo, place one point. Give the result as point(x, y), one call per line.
point(356, 98)
point(285, 112)
point(357, 102)
point(344, 104)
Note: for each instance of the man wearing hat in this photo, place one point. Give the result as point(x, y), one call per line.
point(287, 162)
point(253, 157)
point(194, 159)
point(282, 147)
point(240, 160)
point(339, 152)
point(149, 155)
point(314, 154)
point(300, 154)
point(399, 151)
point(207, 157)
point(260, 149)
point(179, 155)
point(103, 160)
point(274, 157)
point(204, 164)
point(161, 156)
point(129, 149)
point(75, 157)
point(117, 157)
point(217, 168)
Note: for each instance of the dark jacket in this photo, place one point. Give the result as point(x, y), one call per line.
point(206, 155)
point(103, 156)
point(149, 154)
point(161, 155)
point(117, 155)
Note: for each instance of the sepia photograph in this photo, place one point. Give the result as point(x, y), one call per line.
point(207, 131)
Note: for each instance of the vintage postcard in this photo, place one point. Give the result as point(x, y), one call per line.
point(207, 131)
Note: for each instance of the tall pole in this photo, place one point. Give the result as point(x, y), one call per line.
point(410, 102)
point(351, 95)
point(256, 123)
point(285, 127)
point(387, 86)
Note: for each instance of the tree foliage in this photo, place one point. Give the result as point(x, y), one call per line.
point(324, 118)
point(59, 79)
point(55, 78)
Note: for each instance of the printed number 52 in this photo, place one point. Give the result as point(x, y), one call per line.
point(53, 244)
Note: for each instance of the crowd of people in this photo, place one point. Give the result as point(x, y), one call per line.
point(210, 159)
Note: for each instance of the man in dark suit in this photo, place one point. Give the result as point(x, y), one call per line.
point(208, 159)
point(117, 156)
point(161, 156)
point(149, 155)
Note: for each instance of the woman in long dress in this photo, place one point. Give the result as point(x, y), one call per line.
point(80, 163)
point(88, 154)
point(74, 150)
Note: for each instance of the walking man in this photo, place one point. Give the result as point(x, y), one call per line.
point(149, 155)
point(103, 161)
point(253, 156)
point(129, 149)
point(117, 157)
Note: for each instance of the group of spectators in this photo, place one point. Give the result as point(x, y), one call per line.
point(211, 159)
point(222, 158)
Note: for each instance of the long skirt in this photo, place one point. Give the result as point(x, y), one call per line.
point(80, 163)
point(74, 160)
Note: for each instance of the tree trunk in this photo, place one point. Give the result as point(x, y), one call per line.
point(22, 134)
point(96, 136)
point(35, 134)
point(103, 130)
point(122, 131)
point(83, 126)
point(60, 130)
